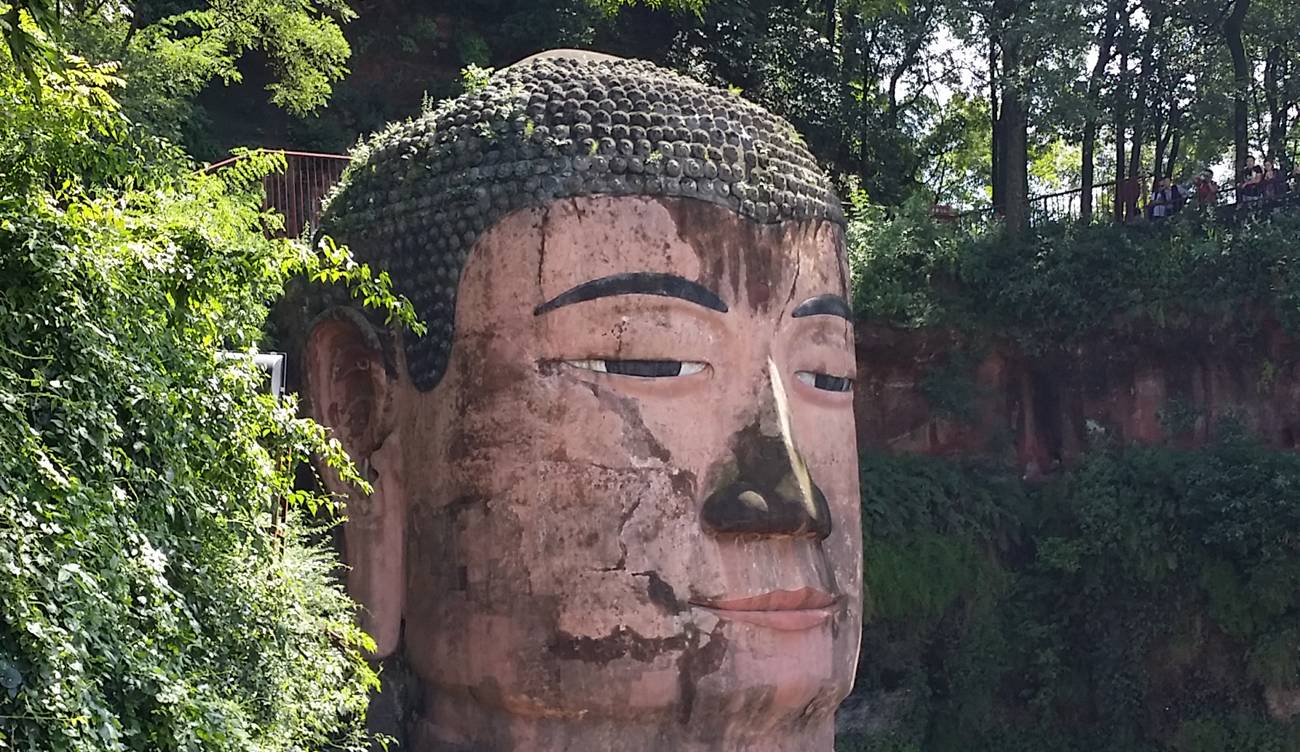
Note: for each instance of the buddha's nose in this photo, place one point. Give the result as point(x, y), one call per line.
point(767, 489)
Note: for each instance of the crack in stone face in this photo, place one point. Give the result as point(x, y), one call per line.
point(637, 437)
point(541, 250)
point(622, 523)
point(794, 285)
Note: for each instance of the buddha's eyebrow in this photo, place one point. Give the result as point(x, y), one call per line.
point(636, 283)
point(823, 305)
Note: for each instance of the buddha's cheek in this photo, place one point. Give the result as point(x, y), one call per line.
point(553, 582)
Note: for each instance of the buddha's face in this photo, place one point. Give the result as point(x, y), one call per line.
point(634, 493)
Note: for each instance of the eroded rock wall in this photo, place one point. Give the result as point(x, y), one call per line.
point(935, 392)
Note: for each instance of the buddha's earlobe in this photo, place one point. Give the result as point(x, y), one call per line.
point(351, 393)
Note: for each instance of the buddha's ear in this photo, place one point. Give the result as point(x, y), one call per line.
point(352, 392)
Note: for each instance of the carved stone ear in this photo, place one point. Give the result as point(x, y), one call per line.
point(347, 382)
point(351, 393)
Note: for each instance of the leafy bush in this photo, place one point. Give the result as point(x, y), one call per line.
point(1141, 601)
point(1064, 282)
point(160, 587)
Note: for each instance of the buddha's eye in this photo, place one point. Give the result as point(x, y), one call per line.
point(649, 369)
point(825, 381)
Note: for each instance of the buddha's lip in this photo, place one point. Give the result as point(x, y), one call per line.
point(777, 600)
point(782, 610)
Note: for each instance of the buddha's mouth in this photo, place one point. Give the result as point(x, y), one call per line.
point(784, 610)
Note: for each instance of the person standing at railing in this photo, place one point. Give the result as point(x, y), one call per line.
point(1168, 199)
point(1206, 190)
point(1251, 191)
point(1245, 179)
point(1272, 182)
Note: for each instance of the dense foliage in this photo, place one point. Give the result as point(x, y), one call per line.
point(1063, 282)
point(167, 52)
point(1145, 600)
point(162, 581)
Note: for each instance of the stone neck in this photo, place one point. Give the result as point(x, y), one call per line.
point(466, 726)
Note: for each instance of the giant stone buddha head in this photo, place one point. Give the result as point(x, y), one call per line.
point(616, 498)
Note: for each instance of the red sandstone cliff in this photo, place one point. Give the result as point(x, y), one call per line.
point(1146, 387)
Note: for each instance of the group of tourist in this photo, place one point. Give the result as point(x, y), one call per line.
point(1260, 184)
point(1264, 182)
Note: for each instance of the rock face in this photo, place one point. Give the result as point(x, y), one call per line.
point(1145, 388)
point(622, 512)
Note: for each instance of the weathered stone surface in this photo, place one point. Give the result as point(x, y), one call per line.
point(625, 514)
point(1147, 387)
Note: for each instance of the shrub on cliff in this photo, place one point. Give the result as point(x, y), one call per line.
point(1064, 281)
point(159, 589)
point(1145, 600)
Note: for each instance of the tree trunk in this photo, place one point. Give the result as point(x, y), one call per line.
point(1121, 127)
point(995, 124)
point(1174, 147)
point(1155, 15)
point(1162, 142)
point(1015, 162)
point(1087, 167)
point(849, 65)
point(1274, 70)
point(911, 53)
point(1232, 26)
point(866, 162)
point(1167, 139)
point(1015, 141)
point(831, 15)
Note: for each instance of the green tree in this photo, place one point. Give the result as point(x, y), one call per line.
point(164, 584)
point(168, 51)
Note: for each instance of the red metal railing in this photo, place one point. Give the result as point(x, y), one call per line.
point(296, 193)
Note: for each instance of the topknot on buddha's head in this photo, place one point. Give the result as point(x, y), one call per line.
point(557, 125)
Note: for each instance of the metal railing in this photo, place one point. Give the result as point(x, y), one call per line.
point(1067, 205)
point(296, 193)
